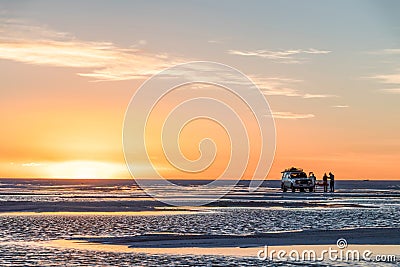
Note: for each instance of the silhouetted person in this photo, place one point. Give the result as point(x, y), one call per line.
point(314, 179)
point(325, 179)
point(332, 182)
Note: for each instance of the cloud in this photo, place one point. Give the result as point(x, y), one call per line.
point(214, 41)
point(218, 40)
point(281, 56)
point(393, 78)
point(388, 79)
point(142, 42)
point(11, 29)
point(318, 96)
point(391, 90)
point(280, 92)
point(99, 60)
point(280, 86)
point(275, 86)
point(390, 51)
point(290, 115)
point(31, 164)
point(341, 106)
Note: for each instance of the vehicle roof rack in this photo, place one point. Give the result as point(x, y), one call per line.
point(293, 169)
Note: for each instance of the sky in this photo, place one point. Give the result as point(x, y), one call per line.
point(330, 71)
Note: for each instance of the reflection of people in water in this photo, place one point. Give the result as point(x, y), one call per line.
point(325, 179)
point(332, 182)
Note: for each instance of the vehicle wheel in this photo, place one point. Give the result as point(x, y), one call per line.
point(293, 189)
point(311, 189)
point(301, 189)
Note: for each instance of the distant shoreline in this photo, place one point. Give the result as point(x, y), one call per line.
point(52, 195)
point(180, 179)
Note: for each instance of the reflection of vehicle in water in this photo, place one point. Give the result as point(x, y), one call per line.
point(295, 178)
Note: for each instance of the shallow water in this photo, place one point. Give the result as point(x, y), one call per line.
point(225, 221)
point(20, 233)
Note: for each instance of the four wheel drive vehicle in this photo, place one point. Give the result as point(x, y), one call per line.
point(295, 178)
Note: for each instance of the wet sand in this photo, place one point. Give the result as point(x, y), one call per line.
point(159, 212)
point(380, 241)
point(277, 200)
point(212, 251)
point(360, 236)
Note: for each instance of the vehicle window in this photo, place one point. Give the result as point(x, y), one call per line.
point(298, 175)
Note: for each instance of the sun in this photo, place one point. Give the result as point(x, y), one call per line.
point(83, 170)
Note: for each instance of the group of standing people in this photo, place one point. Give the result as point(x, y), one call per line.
point(331, 182)
point(325, 181)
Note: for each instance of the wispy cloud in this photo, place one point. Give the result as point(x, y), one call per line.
point(99, 60)
point(214, 41)
point(341, 106)
point(281, 86)
point(392, 78)
point(390, 51)
point(318, 96)
point(219, 40)
point(281, 56)
point(391, 90)
point(389, 79)
point(32, 164)
point(290, 115)
point(276, 86)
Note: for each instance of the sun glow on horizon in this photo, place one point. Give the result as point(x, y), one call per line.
point(82, 170)
point(85, 170)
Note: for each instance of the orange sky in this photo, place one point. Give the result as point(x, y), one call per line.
point(77, 133)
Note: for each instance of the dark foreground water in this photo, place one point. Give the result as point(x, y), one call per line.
point(24, 235)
